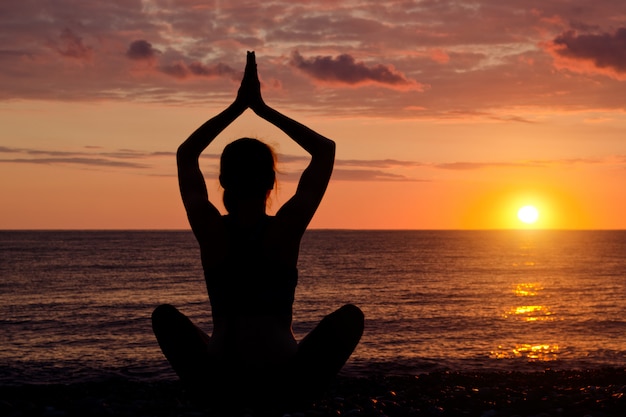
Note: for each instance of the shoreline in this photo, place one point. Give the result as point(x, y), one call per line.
point(571, 393)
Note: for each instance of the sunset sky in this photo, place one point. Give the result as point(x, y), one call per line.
point(446, 114)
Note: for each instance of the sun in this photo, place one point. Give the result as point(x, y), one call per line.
point(528, 214)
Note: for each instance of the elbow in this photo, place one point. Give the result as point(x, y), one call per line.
point(184, 153)
point(180, 155)
point(330, 147)
point(324, 151)
point(183, 148)
point(331, 144)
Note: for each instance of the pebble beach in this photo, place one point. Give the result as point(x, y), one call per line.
point(590, 393)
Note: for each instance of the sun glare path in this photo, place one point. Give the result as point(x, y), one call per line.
point(528, 214)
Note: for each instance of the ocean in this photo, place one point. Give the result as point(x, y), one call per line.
point(75, 305)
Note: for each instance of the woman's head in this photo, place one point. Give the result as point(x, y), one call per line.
point(247, 171)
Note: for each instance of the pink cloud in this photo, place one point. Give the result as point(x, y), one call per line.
point(603, 53)
point(71, 45)
point(141, 50)
point(344, 69)
point(184, 70)
point(439, 56)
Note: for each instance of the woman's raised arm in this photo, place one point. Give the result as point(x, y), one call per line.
point(299, 210)
point(201, 213)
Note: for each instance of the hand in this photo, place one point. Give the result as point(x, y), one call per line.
point(249, 93)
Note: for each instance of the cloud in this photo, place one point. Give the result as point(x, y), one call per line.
point(355, 169)
point(345, 70)
point(71, 45)
point(466, 166)
point(605, 51)
point(5, 149)
point(510, 118)
point(366, 171)
point(370, 163)
point(141, 50)
point(351, 169)
point(12, 55)
point(364, 175)
point(38, 152)
point(118, 159)
point(183, 70)
point(377, 163)
point(359, 170)
point(369, 175)
point(135, 154)
point(75, 161)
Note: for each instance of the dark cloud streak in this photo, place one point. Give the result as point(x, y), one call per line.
point(183, 70)
point(605, 50)
point(378, 163)
point(467, 166)
point(141, 50)
point(344, 69)
point(117, 159)
point(370, 175)
point(75, 161)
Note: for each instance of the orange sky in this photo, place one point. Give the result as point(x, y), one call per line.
point(446, 115)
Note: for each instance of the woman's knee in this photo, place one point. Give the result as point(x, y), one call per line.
point(352, 314)
point(165, 315)
point(164, 310)
point(348, 322)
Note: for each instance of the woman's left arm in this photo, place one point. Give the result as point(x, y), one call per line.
point(299, 210)
point(203, 216)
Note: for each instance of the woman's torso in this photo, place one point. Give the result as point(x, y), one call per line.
point(251, 279)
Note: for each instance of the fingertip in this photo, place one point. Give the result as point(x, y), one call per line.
point(251, 57)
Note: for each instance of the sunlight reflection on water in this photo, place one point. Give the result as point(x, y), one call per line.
point(541, 352)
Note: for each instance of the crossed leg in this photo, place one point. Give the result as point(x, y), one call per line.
point(324, 351)
point(185, 346)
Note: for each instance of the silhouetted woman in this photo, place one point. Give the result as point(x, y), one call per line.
point(249, 261)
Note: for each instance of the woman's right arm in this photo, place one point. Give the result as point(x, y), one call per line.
point(203, 216)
